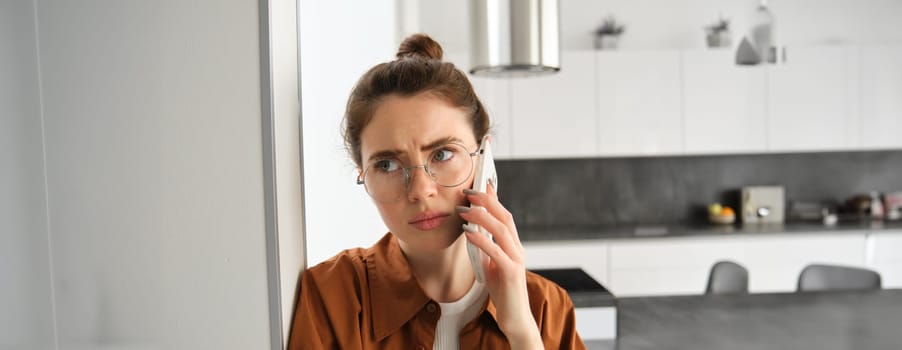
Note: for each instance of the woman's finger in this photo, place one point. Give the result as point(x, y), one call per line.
point(491, 249)
point(498, 230)
point(490, 202)
point(504, 213)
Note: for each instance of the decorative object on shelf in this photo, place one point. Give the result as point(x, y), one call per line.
point(876, 206)
point(746, 54)
point(858, 205)
point(758, 46)
point(718, 33)
point(892, 205)
point(607, 36)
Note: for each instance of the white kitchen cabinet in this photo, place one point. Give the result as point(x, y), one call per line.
point(639, 103)
point(591, 256)
point(880, 97)
point(553, 116)
point(812, 100)
point(674, 266)
point(724, 108)
point(671, 102)
point(667, 266)
point(495, 96)
point(885, 257)
point(775, 262)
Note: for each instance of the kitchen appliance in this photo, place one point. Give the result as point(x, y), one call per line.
point(514, 37)
point(807, 211)
point(763, 204)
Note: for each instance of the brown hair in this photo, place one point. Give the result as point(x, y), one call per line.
point(418, 68)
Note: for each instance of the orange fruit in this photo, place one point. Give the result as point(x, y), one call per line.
point(727, 211)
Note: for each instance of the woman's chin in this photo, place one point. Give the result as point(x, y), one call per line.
point(435, 240)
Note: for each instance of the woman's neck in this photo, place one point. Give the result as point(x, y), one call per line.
point(445, 275)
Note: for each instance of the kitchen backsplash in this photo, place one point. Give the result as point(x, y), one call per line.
point(608, 192)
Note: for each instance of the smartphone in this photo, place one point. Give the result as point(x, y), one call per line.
point(485, 174)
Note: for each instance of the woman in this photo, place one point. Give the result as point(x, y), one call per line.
point(412, 127)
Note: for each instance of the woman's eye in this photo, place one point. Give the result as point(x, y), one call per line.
point(386, 165)
point(442, 155)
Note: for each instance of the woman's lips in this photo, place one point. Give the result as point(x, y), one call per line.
point(428, 220)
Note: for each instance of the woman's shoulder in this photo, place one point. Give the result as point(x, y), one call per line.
point(345, 264)
point(553, 311)
point(351, 262)
point(339, 282)
point(544, 291)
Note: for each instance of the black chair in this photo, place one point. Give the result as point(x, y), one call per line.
point(727, 277)
point(817, 277)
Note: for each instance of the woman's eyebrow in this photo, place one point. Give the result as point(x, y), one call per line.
point(441, 142)
point(394, 153)
point(385, 154)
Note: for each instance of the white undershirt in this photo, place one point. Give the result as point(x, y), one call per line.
point(456, 314)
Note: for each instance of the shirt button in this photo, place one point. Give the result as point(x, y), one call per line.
point(431, 307)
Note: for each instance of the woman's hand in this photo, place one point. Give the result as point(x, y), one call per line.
point(505, 273)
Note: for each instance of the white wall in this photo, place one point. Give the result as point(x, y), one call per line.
point(654, 24)
point(340, 40)
point(286, 130)
point(26, 319)
point(152, 115)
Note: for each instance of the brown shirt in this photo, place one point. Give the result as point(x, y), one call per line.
point(369, 299)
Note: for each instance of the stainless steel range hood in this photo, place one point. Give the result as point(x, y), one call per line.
point(514, 37)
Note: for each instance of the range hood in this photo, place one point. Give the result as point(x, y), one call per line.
point(514, 37)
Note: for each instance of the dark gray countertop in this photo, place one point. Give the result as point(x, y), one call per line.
point(683, 230)
point(584, 290)
point(859, 320)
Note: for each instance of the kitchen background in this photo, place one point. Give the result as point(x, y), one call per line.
point(603, 193)
point(133, 214)
point(661, 107)
point(610, 164)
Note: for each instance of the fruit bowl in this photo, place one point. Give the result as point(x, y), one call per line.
point(722, 219)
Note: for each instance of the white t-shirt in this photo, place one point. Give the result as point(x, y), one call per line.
point(456, 314)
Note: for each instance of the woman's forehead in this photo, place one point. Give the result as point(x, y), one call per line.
point(413, 123)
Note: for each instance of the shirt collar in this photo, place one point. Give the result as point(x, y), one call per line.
point(395, 295)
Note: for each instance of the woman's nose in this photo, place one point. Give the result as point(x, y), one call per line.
point(422, 185)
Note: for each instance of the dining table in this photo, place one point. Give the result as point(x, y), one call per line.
point(825, 320)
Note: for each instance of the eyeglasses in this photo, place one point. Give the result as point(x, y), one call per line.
point(387, 180)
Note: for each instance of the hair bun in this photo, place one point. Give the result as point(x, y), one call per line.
point(420, 46)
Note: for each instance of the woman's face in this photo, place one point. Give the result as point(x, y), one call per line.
point(411, 131)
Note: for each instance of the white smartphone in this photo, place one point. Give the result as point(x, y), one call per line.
point(485, 174)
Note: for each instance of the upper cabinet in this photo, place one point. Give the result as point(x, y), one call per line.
point(494, 93)
point(676, 102)
point(495, 96)
point(811, 100)
point(554, 115)
point(638, 101)
point(880, 97)
point(724, 105)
